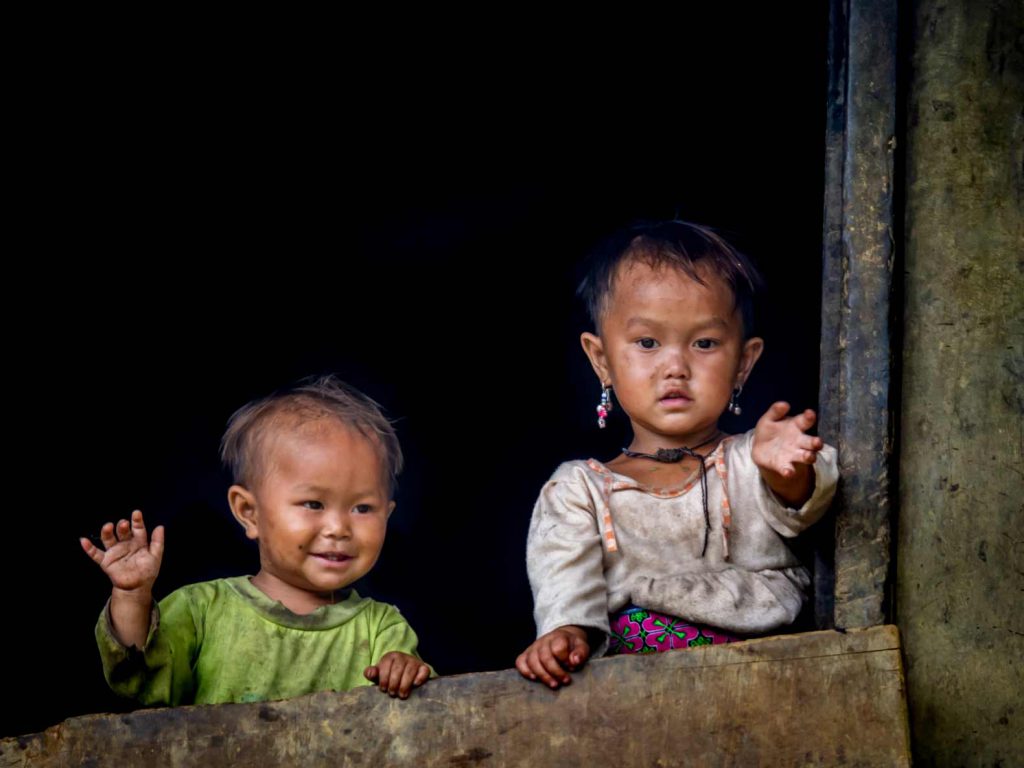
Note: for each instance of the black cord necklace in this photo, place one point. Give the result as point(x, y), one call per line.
point(675, 455)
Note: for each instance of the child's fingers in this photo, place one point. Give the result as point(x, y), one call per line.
point(138, 529)
point(540, 671)
point(524, 667)
point(371, 673)
point(422, 675)
point(92, 550)
point(107, 535)
point(123, 530)
point(805, 420)
point(809, 443)
point(408, 675)
point(579, 654)
point(806, 457)
point(384, 667)
point(399, 670)
point(552, 665)
point(777, 411)
point(536, 668)
point(156, 544)
point(560, 646)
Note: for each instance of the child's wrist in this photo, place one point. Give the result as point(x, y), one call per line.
point(141, 596)
point(793, 490)
point(575, 629)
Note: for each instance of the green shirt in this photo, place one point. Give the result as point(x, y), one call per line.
point(225, 641)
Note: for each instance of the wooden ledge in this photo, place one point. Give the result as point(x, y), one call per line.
point(820, 698)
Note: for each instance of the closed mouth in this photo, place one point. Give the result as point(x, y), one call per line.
point(676, 396)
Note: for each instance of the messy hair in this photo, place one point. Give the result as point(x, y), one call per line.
point(677, 244)
point(243, 447)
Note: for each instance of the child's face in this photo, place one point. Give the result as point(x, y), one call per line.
point(319, 513)
point(673, 351)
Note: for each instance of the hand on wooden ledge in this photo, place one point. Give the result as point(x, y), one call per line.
point(551, 657)
point(397, 673)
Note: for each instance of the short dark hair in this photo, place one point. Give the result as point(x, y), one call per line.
point(678, 244)
point(243, 446)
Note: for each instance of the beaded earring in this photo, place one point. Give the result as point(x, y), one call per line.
point(604, 407)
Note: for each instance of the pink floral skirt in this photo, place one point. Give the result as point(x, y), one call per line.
point(638, 630)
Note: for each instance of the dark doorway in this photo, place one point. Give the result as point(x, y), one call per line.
point(423, 247)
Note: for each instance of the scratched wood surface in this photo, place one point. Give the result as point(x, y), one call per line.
point(820, 698)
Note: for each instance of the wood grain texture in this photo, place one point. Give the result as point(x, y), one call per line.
point(821, 698)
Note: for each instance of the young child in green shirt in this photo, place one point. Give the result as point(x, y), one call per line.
point(314, 471)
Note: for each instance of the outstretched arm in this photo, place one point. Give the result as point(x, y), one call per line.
point(785, 455)
point(132, 561)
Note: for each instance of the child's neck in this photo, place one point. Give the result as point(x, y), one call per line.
point(703, 442)
point(298, 601)
point(647, 470)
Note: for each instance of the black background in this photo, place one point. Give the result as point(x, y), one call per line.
point(199, 240)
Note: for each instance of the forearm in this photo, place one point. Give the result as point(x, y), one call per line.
point(733, 599)
point(130, 612)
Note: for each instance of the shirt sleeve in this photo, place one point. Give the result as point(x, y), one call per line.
point(159, 674)
point(732, 599)
point(564, 558)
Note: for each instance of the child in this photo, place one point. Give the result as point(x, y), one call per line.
point(679, 540)
point(314, 471)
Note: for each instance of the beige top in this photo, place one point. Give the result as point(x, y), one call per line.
point(600, 541)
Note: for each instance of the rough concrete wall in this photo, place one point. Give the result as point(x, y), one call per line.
point(960, 579)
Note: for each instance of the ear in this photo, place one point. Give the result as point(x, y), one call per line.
point(243, 507)
point(752, 349)
point(594, 349)
point(391, 508)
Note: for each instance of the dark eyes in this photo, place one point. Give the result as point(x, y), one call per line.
point(361, 509)
point(649, 343)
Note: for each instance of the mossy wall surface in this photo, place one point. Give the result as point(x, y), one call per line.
point(960, 555)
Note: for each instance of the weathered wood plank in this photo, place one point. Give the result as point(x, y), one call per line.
point(822, 698)
point(823, 534)
point(858, 255)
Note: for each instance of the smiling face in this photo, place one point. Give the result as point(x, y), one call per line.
point(319, 513)
point(673, 351)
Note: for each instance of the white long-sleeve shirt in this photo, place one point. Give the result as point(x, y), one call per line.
point(600, 541)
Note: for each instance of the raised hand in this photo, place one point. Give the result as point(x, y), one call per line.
point(551, 657)
point(131, 561)
point(397, 673)
point(130, 558)
point(785, 454)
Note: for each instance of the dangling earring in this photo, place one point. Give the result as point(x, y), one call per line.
point(604, 408)
point(734, 407)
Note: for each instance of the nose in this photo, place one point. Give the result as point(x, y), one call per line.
point(337, 524)
point(676, 362)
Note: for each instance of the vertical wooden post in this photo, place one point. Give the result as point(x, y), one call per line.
point(856, 355)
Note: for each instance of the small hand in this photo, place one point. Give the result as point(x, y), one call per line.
point(130, 558)
point(551, 657)
point(784, 454)
point(397, 673)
